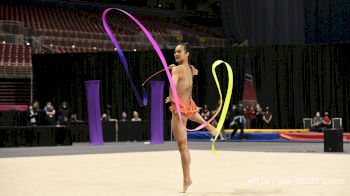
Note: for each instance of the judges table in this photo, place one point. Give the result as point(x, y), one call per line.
point(139, 131)
point(11, 136)
point(80, 132)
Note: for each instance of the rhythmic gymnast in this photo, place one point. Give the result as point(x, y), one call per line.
point(181, 79)
point(182, 76)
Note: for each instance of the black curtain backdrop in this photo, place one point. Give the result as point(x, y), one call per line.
point(270, 22)
point(297, 81)
point(264, 22)
point(327, 21)
point(59, 77)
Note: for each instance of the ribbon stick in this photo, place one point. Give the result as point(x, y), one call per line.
point(158, 72)
point(143, 101)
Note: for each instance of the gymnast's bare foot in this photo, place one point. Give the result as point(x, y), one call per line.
point(186, 185)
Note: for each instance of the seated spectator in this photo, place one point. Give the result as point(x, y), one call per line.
point(108, 114)
point(32, 115)
point(267, 118)
point(238, 121)
point(124, 117)
point(38, 111)
point(36, 105)
point(135, 117)
point(316, 122)
point(74, 119)
point(326, 121)
point(259, 117)
point(104, 117)
point(50, 113)
point(63, 114)
point(205, 113)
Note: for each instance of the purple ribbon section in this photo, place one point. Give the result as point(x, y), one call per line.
point(142, 101)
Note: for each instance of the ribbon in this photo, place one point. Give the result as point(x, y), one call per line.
point(143, 101)
point(227, 98)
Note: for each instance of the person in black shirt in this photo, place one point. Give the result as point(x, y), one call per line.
point(267, 118)
point(32, 115)
point(64, 114)
point(259, 117)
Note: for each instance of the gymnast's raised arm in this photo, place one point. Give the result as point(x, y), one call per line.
point(194, 70)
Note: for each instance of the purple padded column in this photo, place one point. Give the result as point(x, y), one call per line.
point(93, 99)
point(157, 117)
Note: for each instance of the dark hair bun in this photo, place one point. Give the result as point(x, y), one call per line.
point(186, 46)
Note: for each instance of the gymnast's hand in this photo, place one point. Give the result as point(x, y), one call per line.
point(167, 100)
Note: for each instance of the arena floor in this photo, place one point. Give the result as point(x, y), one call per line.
point(242, 168)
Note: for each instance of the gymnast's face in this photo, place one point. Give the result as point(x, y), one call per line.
point(180, 54)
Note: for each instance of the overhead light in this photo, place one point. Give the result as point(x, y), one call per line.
point(94, 48)
point(28, 43)
point(115, 49)
point(3, 42)
point(73, 46)
point(159, 5)
point(51, 45)
point(135, 50)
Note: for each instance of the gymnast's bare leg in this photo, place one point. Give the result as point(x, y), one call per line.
point(199, 119)
point(181, 138)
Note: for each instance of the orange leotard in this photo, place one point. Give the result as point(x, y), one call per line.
point(188, 109)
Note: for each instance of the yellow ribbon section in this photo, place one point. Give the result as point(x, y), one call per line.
point(227, 98)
